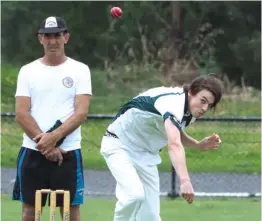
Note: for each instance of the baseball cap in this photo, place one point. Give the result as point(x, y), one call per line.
point(52, 25)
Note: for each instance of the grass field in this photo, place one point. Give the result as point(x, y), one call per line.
point(239, 152)
point(178, 210)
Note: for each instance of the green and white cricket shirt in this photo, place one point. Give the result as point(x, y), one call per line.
point(139, 124)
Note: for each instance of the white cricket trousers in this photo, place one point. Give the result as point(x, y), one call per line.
point(137, 187)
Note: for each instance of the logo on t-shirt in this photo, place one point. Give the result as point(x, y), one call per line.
point(68, 82)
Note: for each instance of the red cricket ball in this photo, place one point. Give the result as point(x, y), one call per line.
point(116, 12)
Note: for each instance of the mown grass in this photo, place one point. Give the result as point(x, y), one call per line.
point(239, 152)
point(103, 209)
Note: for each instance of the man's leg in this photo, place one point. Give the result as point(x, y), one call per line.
point(129, 189)
point(150, 209)
point(74, 213)
point(69, 176)
point(31, 176)
point(28, 212)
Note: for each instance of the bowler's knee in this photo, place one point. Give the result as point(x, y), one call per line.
point(148, 215)
point(137, 197)
point(153, 216)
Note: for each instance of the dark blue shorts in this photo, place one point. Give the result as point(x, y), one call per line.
point(35, 172)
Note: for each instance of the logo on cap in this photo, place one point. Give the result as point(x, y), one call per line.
point(51, 22)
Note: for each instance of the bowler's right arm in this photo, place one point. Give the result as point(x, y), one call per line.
point(178, 159)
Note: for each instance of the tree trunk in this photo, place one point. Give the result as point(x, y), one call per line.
point(179, 70)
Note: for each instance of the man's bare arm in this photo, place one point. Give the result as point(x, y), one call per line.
point(178, 158)
point(188, 141)
point(176, 151)
point(208, 143)
point(47, 141)
point(24, 118)
point(73, 122)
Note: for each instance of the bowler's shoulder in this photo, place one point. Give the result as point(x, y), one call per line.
point(162, 91)
point(177, 90)
point(165, 90)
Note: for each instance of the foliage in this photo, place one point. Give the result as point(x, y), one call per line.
point(178, 39)
point(122, 84)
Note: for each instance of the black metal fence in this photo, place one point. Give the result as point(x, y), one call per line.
point(233, 170)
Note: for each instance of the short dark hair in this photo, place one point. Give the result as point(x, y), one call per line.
point(208, 82)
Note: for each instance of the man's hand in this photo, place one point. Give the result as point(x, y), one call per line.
point(56, 155)
point(46, 142)
point(209, 143)
point(187, 191)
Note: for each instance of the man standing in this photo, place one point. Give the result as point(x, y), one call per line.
point(52, 100)
point(141, 128)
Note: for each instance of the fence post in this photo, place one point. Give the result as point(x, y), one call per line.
point(173, 194)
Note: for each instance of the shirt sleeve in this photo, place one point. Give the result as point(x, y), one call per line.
point(22, 88)
point(84, 85)
point(172, 107)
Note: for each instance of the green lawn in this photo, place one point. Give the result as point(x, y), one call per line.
point(239, 152)
point(200, 210)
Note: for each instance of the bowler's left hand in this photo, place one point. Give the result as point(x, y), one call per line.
point(209, 143)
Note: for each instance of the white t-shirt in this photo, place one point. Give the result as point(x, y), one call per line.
point(140, 123)
point(52, 90)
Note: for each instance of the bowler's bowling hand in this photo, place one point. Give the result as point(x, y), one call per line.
point(187, 191)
